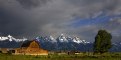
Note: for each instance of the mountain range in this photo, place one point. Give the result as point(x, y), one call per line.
point(10, 42)
point(62, 42)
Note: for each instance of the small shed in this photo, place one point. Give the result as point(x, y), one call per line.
point(4, 50)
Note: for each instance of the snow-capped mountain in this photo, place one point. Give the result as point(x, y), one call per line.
point(10, 42)
point(62, 39)
point(62, 42)
point(11, 38)
point(52, 39)
point(46, 39)
point(77, 40)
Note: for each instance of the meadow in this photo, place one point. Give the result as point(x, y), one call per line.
point(109, 56)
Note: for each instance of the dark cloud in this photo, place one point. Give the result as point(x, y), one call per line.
point(32, 3)
point(31, 18)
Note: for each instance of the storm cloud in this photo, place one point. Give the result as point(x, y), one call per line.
point(82, 18)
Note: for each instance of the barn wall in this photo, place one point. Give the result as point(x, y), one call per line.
point(32, 49)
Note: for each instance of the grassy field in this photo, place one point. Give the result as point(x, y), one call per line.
point(111, 56)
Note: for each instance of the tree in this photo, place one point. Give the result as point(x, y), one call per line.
point(102, 42)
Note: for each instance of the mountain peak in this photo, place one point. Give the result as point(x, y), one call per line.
point(11, 38)
point(77, 40)
point(62, 38)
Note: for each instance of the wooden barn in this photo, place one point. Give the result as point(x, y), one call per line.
point(31, 48)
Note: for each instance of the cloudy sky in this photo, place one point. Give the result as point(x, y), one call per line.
point(82, 18)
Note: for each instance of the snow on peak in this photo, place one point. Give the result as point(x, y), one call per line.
point(11, 38)
point(3, 38)
point(19, 40)
point(46, 39)
point(77, 40)
point(62, 38)
point(52, 39)
point(69, 38)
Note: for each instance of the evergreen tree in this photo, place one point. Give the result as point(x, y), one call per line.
point(102, 42)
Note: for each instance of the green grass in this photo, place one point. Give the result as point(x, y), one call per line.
point(108, 56)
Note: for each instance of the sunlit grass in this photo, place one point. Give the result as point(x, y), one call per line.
point(108, 56)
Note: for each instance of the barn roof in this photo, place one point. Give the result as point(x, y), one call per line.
point(27, 43)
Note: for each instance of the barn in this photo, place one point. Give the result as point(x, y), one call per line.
point(30, 48)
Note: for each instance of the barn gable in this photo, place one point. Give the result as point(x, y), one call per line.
point(32, 44)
